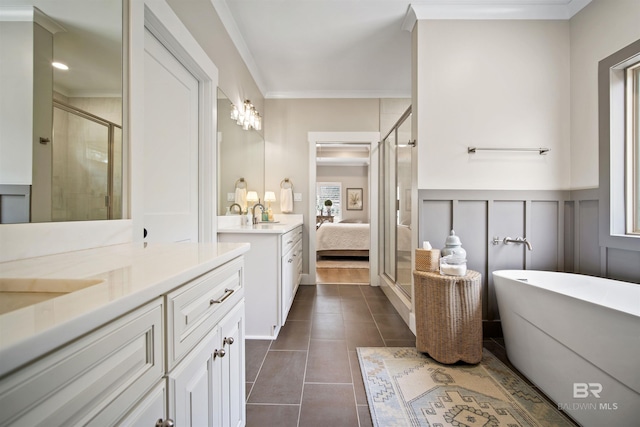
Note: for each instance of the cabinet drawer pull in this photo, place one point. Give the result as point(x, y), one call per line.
point(290, 241)
point(290, 261)
point(219, 353)
point(228, 340)
point(227, 294)
point(164, 423)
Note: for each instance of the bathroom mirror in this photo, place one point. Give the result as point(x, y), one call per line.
point(240, 156)
point(62, 138)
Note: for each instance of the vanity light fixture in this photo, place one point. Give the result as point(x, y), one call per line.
point(269, 196)
point(60, 66)
point(246, 116)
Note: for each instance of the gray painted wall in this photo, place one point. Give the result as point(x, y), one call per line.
point(562, 227)
point(591, 258)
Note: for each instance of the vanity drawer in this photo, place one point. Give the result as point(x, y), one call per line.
point(92, 381)
point(194, 308)
point(290, 238)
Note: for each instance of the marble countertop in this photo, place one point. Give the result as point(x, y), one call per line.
point(260, 228)
point(283, 224)
point(129, 276)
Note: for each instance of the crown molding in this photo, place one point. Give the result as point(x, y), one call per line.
point(225, 15)
point(336, 94)
point(490, 9)
point(30, 14)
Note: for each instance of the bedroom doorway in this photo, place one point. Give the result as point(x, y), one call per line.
point(343, 177)
point(342, 219)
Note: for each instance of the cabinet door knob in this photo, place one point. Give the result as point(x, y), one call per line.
point(228, 340)
point(219, 353)
point(164, 423)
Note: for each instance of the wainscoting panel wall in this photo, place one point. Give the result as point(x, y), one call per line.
point(482, 219)
point(588, 256)
point(473, 229)
point(546, 227)
point(562, 227)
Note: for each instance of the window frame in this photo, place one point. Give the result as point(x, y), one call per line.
point(337, 203)
point(613, 159)
point(632, 136)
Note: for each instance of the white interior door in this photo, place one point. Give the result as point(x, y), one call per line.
point(170, 146)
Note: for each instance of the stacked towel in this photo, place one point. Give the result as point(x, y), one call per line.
point(241, 198)
point(286, 200)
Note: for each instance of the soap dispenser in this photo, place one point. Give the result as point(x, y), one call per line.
point(453, 246)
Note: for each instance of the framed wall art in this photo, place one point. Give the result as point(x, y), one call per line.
point(354, 199)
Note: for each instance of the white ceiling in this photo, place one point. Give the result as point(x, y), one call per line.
point(351, 48)
point(90, 43)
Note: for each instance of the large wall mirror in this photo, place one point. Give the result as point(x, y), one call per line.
point(240, 159)
point(61, 134)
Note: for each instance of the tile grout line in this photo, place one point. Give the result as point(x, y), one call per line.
point(255, 380)
point(353, 387)
point(374, 319)
point(306, 362)
point(358, 359)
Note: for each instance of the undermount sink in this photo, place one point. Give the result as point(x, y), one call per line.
point(16, 293)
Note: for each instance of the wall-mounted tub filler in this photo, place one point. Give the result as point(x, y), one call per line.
point(508, 240)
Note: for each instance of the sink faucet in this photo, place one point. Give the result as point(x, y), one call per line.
point(239, 208)
point(253, 211)
point(524, 241)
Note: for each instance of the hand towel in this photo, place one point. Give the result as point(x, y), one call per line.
point(286, 200)
point(241, 198)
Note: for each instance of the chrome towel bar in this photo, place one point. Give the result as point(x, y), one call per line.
point(541, 150)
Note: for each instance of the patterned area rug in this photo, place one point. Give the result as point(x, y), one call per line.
point(406, 388)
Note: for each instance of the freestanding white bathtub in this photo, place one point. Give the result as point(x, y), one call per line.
point(577, 338)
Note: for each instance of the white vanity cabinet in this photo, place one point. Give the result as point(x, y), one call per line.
point(177, 359)
point(208, 386)
point(95, 380)
point(291, 268)
point(273, 269)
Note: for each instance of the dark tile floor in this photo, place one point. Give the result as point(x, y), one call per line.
point(310, 375)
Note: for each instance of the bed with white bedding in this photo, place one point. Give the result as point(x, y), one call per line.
point(343, 239)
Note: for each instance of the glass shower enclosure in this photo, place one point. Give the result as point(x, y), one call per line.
point(86, 166)
point(396, 200)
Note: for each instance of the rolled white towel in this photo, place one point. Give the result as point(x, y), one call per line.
point(286, 200)
point(241, 198)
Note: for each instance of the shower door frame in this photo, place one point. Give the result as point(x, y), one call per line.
point(406, 298)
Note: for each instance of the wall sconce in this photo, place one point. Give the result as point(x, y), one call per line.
point(246, 116)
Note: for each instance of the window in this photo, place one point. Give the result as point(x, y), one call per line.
point(329, 191)
point(619, 171)
point(632, 114)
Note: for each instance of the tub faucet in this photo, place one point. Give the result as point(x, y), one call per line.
point(253, 211)
point(239, 208)
point(524, 241)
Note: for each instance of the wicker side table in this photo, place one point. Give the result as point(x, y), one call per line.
point(449, 316)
